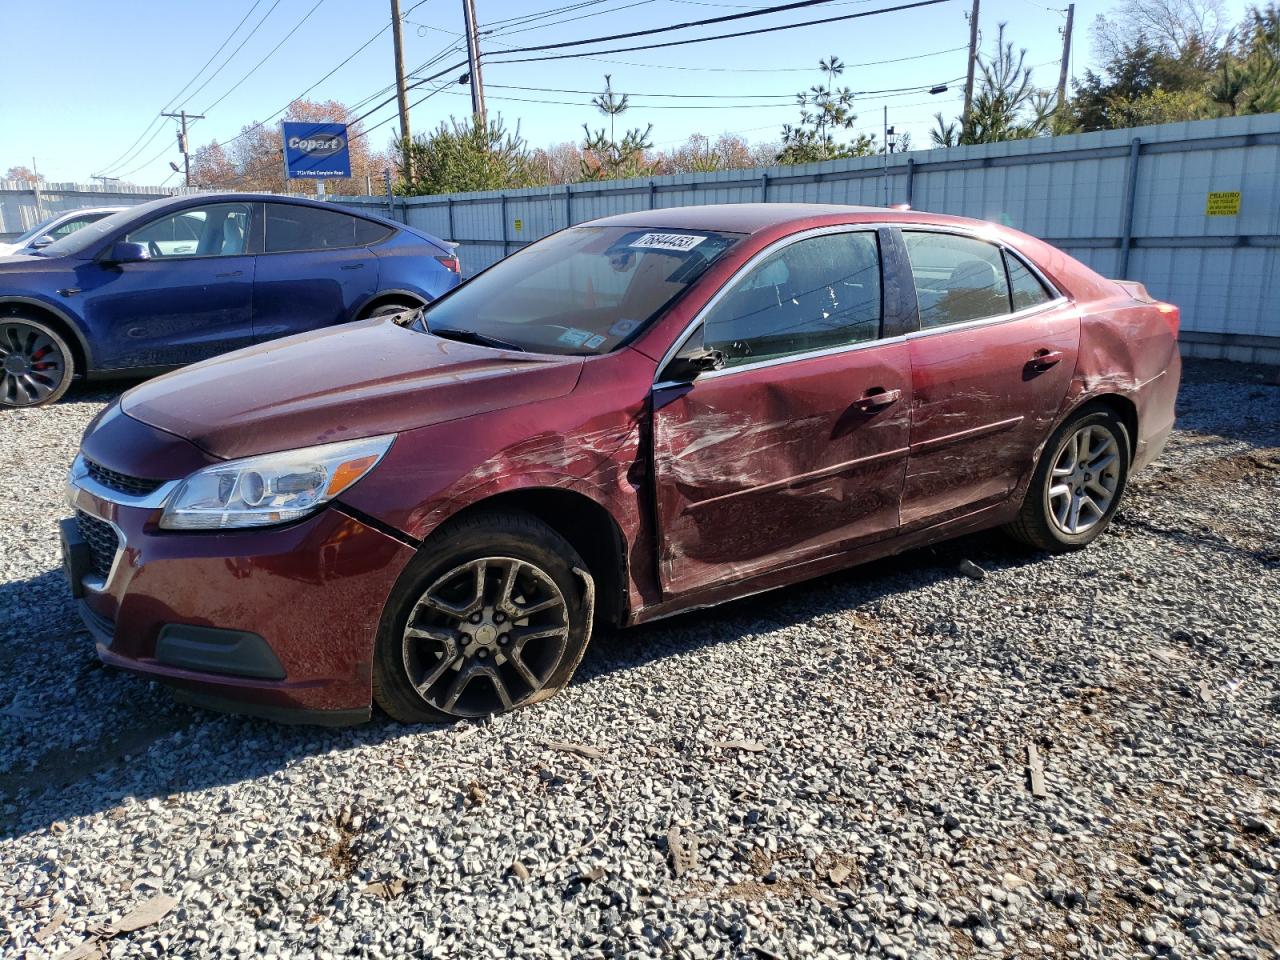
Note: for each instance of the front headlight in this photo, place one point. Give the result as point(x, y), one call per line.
point(271, 488)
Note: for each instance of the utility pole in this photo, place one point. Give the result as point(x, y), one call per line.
point(973, 60)
point(1066, 56)
point(183, 117)
point(473, 61)
point(401, 96)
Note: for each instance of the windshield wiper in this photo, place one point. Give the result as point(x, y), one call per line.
point(471, 336)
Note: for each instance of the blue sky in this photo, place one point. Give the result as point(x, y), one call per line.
point(94, 76)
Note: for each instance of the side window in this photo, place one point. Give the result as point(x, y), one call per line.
point(71, 226)
point(811, 295)
point(295, 227)
point(368, 232)
point(1027, 289)
point(957, 278)
point(218, 230)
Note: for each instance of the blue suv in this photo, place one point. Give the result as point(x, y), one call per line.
point(182, 279)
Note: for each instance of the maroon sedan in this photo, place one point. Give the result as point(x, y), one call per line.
point(633, 417)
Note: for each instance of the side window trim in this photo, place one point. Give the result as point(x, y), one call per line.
point(1056, 297)
point(266, 211)
point(695, 325)
point(128, 231)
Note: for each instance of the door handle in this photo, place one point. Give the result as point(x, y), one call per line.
point(877, 398)
point(224, 276)
point(352, 266)
point(1044, 359)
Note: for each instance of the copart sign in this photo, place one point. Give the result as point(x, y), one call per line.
point(316, 150)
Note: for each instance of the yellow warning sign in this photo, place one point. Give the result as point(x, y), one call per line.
point(520, 223)
point(1223, 204)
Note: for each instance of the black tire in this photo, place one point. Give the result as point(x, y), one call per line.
point(447, 645)
point(36, 365)
point(1043, 522)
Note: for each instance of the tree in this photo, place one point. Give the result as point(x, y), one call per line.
point(1173, 27)
point(1138, 71)
point(824, 109)
point(461, 156)
point(699, 154)
point(23, 173)
point(558, 163)
point(1006, 105)
point(606, 157)
point(211, 167)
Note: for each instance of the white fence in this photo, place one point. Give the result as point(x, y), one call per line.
point(1130, 203)
point(24, 204)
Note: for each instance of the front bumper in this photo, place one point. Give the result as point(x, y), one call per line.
point(278, 621)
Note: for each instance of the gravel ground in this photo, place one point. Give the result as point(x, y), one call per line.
point(877, 803)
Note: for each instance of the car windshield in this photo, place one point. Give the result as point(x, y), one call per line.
point(582, 291)
point(39, 230)
point(88, 236)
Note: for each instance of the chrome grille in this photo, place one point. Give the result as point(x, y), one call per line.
point(102, 540)
point(121, 482)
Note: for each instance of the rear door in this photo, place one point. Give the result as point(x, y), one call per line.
point(192, 300)
point(797, 448)
point(315, 269)
point(990, 367)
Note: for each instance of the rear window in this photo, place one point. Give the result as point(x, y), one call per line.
point(582, 291)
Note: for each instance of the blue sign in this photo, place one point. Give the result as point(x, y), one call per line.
point(316, 150)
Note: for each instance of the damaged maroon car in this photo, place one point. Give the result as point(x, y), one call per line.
point(630, 418)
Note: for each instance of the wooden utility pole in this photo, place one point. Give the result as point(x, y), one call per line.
point(473, 61)
point(973, 61)
point(182, 116)
point(1066, 57)
point(402, 98)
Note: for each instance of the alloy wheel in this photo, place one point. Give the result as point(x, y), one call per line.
point(1084, 479)
point(485, 637)
point(32, 365)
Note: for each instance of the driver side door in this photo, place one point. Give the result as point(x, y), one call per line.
point(797, 448)
point(192, 300)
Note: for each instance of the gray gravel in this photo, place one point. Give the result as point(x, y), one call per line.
point(889, 812)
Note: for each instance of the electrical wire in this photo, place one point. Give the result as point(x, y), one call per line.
point(247, 37)
point(129, 152)
point(721, 36)
point(583, 16)
point(270, 54)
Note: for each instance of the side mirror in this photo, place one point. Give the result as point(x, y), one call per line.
point(125, 252)
point(686, 365)
point(39, 242)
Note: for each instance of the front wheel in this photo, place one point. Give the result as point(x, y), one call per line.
point(493, 614)
point(36, 365)
point(1077, 485)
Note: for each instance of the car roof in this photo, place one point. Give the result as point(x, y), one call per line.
point(753, 217)
point(194, 199)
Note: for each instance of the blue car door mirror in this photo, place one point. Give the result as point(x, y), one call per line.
point(125, 252)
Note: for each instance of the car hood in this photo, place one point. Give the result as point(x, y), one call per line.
point(357, 380)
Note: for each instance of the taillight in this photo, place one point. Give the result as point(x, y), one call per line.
point(1172, 316)
point(451, 263)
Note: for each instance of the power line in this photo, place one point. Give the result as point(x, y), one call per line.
point(130, 151)
point(708, 21)
point(790, 99)
point(214, 56)
point(247, 37)
point(269, 55)
point(521, 28)
point(720, 36)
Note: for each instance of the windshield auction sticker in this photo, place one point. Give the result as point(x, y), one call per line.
point(667, 241)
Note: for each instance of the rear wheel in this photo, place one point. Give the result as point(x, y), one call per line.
point(391, 309)
point(493, 614)
point(1077, 485)
point(36, 365)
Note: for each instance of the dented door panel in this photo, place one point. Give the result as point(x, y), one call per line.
point(982, 406)
point(776, 464)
